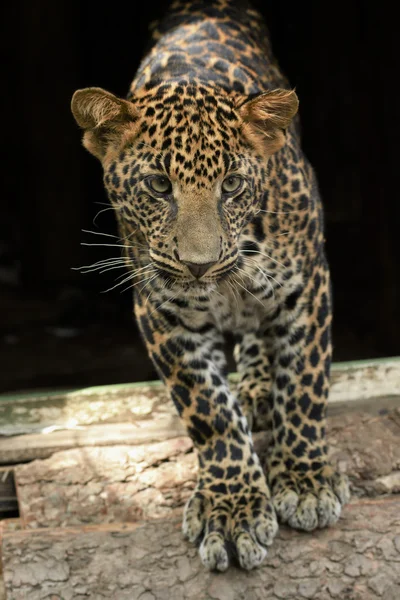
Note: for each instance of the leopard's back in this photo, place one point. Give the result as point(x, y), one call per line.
point(218, 41)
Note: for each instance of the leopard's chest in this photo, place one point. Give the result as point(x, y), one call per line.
point(239, 310)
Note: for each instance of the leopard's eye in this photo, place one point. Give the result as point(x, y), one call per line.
point(232, 184)
point(160, 184)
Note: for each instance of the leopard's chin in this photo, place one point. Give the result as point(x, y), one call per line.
point(172, 282)
point(196, 288)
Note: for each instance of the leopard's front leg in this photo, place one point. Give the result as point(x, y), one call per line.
point(254, 387)
point(308, 492)
point(232, 499)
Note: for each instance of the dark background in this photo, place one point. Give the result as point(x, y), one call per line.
point(56, 327)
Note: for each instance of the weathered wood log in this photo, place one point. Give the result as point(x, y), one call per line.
point(146, 481)
point(107, 484)
point(359, 559)
point(101, 518)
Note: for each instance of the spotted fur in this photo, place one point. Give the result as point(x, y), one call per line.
point(222, 224)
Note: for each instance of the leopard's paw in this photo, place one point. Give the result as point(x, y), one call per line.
point(247, 521)
point(306, 502)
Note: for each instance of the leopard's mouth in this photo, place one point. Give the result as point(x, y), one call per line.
point(169, 278)
point(185, 285)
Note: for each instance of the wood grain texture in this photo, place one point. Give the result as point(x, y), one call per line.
point(359, 559)
point(126, 482)
point(102, 519)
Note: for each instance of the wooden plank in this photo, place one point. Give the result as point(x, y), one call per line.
point(143, 413)
point(67, 410)
point(24, 448)
point(361, 380)
point(359, 383)
point(358, 559)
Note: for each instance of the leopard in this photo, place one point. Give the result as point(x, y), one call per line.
point(222, 226)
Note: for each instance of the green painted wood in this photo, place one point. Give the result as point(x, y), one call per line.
point(366, 384)
point(111, 388)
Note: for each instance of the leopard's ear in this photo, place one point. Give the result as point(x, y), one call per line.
point(266, 117)
point(106, 119)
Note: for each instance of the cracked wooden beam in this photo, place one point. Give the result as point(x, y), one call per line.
point(154, 480)
point(359, 559)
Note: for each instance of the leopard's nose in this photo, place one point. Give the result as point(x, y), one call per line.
point(199, 269)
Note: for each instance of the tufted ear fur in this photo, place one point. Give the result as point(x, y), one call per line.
point(266, 117)
point(106, 119)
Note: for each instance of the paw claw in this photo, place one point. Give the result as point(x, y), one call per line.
point(213, 553)
point(250, 554)
point(193, 518)
point(285, 503)
point(329, 508)
point(310, 505)
point(341, 487)
point(249, 523)
point(266, 530)
point(305, 517)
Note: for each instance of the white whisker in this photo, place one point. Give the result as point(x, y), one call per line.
point(100, 212)
point(100, 264)
point(248, 291)
point(117, 264)
point(148, 281)
point(100, 233)
point(138, 271)
point(269, 276)
point(111, 268)
point(262, 254)
point(109, 245)
point(165, 301)
point(263, 271)
point(253, 279)
point(271, 287)
point(234, 292)
point(128, 278)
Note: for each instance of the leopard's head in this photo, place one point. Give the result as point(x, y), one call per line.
point(185, 166)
